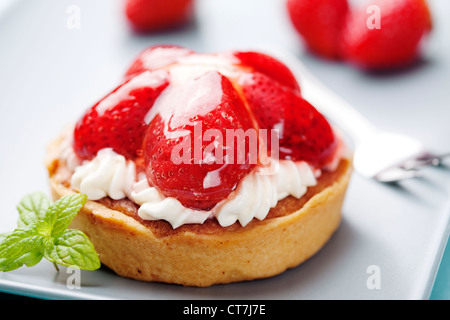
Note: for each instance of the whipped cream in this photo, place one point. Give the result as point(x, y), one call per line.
point(258, 192)
point(108, 174)
point(255, 195)
point(155, 206)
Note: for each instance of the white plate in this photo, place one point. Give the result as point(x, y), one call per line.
point(50, 73)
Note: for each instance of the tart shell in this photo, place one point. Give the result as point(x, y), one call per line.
point(208, 254)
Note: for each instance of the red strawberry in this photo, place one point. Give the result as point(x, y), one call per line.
point(156, 15)
point(395, 42)
point(117, 121)
point(308, 135)
point(156, 57)
point(319, 22)
point(190, 162)
point(269, 66)
point(304, 133)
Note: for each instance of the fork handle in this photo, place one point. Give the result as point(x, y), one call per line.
point(336, 109)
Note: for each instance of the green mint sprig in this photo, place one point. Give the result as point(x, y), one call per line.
point(42, 233)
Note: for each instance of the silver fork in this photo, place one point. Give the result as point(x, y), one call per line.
point(384, 156)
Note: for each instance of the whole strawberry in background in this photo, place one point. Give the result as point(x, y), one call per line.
point(378, 34)
point(319, 22)
point(157, 15)
point(394, 42)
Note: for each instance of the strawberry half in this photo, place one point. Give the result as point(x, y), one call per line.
point(187, 150)
point(307, 134)
point(156, 57)
point(304, 133)
point(395, 43)
point(269, 66)
point(117, 121)
point(156, 15)
point(319, 23)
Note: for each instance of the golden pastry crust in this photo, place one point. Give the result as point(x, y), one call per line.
point(203, 255)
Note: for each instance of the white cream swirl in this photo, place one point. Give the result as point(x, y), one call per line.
point(258, 193)
point(255, 195)
point(155, 206)
point(108, 174)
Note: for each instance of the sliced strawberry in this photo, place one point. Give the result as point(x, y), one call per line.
point(319, 22)
point(395, 42)
point(187, 153)
point(269, 66)
point(117, 121)
point(156, 15)
point(156, 57)
point(308, 135)
point(304, 133)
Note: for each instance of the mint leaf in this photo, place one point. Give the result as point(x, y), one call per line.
point(3, 236)
point(42, 233)
point(61, 213)
point(73, 248)
point(44, 229)
point(31, 208)
point(21, 247)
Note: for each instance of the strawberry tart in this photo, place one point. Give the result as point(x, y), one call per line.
point(203, 169)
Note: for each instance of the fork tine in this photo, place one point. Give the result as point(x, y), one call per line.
point(414, 164)
point(395, 174)
point(424, 160)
